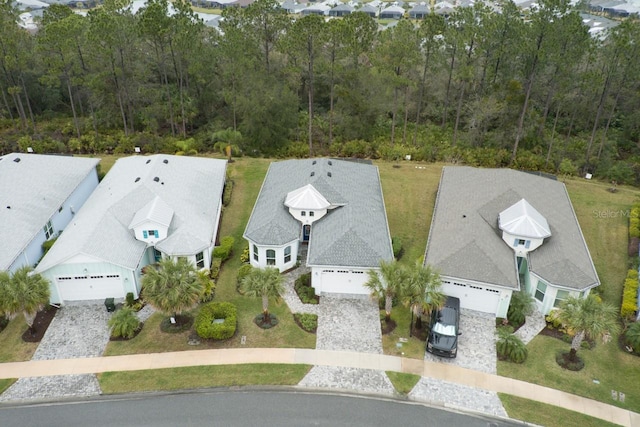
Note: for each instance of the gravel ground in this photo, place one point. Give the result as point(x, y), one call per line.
point(78, 330)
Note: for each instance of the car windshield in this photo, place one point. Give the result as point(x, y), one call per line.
point(442, 329)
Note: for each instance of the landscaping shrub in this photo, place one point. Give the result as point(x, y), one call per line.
point(509, 346)
point(630, 295)
point(308, 322)
point(632, 336)
point(396, 243)
point(216, 263)
point(226, 194)
point(206, 325)
point(224, 250)
point(521, 305)
point(244, 257)
point(129, 300)
point(208, 285)
point(554, 322)
point(47, 245)
point(124, 323)
point(305, 291)
point(243, 271)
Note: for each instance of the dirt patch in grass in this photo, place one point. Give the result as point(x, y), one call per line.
point(40, 324)
point(182, 323)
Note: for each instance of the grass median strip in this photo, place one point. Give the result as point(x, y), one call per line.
point(403, 383)
point(201, 377)
point(547, 415)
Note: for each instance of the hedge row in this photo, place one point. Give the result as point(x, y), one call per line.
point(224, 250)
point(205, 324)
point(630, 295)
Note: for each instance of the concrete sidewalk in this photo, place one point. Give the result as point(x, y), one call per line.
point(455, 374)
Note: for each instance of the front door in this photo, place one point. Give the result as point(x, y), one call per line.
point(306, 230)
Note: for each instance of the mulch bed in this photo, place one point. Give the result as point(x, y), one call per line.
point(40, 324)
point(551, 332)
point(297, 320)
point(388, 327)
point(183, 323)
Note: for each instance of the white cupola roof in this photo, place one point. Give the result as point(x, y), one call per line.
point(306, 198)
point(522, 219)
point(157, 210)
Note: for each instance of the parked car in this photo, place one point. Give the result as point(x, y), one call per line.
point(444, 329)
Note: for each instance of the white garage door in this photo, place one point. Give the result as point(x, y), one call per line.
point(473, 297)
point(336, 281)
point(80, 288)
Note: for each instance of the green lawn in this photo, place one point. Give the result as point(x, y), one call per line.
point(201, 377)
point(603, 217)
point(610, 367)
point(12, 348)
point(403, 383)
point(547, 415)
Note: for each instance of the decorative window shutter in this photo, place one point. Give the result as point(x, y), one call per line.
point(145, 234)
point(526, 243)
point(155, 233)
point(515, 243)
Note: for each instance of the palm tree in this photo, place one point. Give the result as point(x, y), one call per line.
point(266, 283)
point(124, 323)
point(173, 287)
point(388, 283)
point(587, 317)
point(25, 292)
point(422, 292)
point(5, 282)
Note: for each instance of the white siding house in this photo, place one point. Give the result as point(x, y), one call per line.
point(496, 231)
point(39, 195)
point(332, 208)
point(146, 208)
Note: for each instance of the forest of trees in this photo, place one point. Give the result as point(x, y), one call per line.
point(531, 91)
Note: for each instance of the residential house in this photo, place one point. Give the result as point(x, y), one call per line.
point(145, 208)
point(39, 195)
point(332, 208)
point(369, 10)
point(341, 10)
point(392, 12)
point(497, 231)
point(419, 11)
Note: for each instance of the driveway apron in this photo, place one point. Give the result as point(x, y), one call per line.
point(477, 351)
point(78, 330)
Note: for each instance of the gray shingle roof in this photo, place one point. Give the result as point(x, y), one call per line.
point(34, 188)
point(191, 187)
point(353, 234)
point(465, 242)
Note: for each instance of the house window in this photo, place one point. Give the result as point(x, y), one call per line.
point(157, 255)
point(255, 253)
point(303, 213)
point(287, 254)
point(311, 213)
point(521, 242)
point(271, 257)
point(48, 230)
point(152, 233)
point(540, 290)
point(200, 260)
point(560, 297)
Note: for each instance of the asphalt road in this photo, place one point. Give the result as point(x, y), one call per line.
point(237, 408)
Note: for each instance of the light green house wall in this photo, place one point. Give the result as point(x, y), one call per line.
point(129, 279)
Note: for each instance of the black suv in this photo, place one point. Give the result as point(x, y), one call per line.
point(444, 329)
